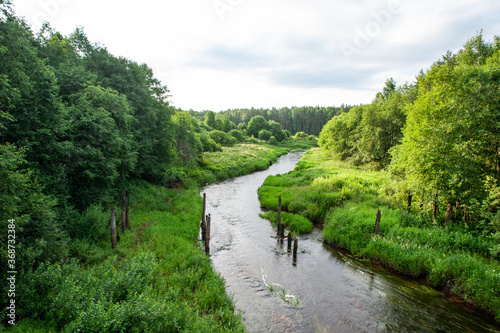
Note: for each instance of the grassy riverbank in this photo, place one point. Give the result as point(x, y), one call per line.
point(158, 279)
point(345, 200)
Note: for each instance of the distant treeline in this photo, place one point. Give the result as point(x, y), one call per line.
point(295, 119)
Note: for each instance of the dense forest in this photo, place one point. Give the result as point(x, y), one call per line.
point(440, 136)
point(309, 120)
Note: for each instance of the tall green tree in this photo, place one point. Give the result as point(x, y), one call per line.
point(257, 124)
point(451, 139)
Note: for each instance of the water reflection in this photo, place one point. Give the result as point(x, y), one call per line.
point(325, 290)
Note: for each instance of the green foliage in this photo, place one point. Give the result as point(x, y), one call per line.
point(162, 283)
point(210, 120)
point(451, 132)
point(238, 135)
point(297, 119)
point(93, 224)
point(264, 135)
point(209, 144)
point(257, 124)
point(301, 135)
point(222, 138)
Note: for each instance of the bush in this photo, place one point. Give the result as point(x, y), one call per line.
point(209, 144)
point(272, 140)
point(301, 135)
point(92, 224)
point(237, 135)
point(222, 138)
point(265, 135)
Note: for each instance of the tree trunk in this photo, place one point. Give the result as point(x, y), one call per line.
point(409, 200)
point(449, 213)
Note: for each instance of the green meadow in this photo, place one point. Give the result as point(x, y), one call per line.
point(344, 199)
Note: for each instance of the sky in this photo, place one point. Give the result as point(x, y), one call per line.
point(226, 54)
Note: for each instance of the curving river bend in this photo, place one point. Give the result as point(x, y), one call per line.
point(327, 290)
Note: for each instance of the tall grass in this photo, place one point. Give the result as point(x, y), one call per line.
point(157, 280)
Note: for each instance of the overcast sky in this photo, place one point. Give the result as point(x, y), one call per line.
point(221, 54)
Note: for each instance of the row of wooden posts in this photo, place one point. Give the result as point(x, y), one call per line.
point(281, 234)
point(206, 221)
point(115, 232)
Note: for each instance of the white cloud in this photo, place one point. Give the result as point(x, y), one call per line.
point(266, 53)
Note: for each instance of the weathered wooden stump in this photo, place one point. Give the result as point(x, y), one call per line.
point(289, 237)
point(295, 248)
point(207, 234)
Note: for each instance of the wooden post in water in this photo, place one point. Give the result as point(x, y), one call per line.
point(377, 221)
point(207, 234)
point(113, 228)
point(127, 216)
point(289, 247)
point(124, 222)
point(279, 217)
point(295, 248)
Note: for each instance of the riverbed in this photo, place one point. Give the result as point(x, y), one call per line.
point(326, 290)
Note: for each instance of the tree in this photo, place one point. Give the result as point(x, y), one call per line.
point(102, 146)
point(257, 124)
point(276, 131)
point(210, 119)
point(451, 139)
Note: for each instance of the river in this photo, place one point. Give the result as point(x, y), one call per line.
point(326, 290)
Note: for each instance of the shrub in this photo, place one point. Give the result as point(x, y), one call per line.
point(301, 135)
point(272, 140)
point(222, 138)
point(209, 144)
point(238, 135)
point(265, 135)
point(92, 224)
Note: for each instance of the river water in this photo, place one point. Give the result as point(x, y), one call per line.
point(325, 290)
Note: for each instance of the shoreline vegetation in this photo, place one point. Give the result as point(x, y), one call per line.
point(157, 279)
point(344, 200)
